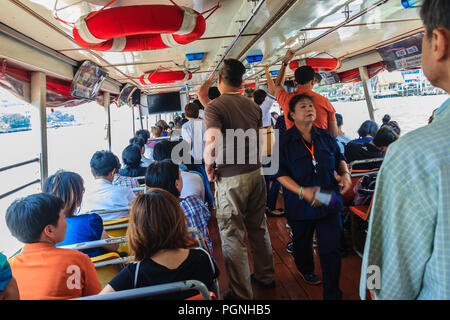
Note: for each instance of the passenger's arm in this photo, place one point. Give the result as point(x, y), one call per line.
point(107, 289)
point(332, 127)
point(280, 78)
point(11, 291)
point(213, 135)
point(203, 91)
point(270, 83)
point(109, 247)
point(308, 193)
point(345, 180)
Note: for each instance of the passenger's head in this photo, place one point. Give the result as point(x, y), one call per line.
point(386, 119)
point(230, 74)
point(191, 110)
point(213, 93)
point(131, 156)
point(103, 164)
point(384, 137)
point(144, 134)
point(248, 92)
point(165, 175)
point(259, 96)
point(394, 126)
point(163, 150)
point(156, 131)
point(274, 115)
point(156, 223)
point(305, 75)
point(38, 217)
point(339, 120)
point(162, 124)
point(368, 129)
point(68, 187)
point(301, 109)
point(436, 42)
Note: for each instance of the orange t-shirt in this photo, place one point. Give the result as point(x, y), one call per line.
point(324, 110)
point(45, 272)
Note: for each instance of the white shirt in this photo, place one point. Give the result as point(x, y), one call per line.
point(192, 185)
point(193, 132)
point(265, 108)
point(102, 194)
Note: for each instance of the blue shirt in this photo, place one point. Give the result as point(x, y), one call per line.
point(83, 228)
point(409, 225)
point(362, 140)
point(296, 163)
point(5, 272)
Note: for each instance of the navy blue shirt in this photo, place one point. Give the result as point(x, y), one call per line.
point(296, 163)
point(84, 228)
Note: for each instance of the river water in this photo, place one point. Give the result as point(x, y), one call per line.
point(70, 148)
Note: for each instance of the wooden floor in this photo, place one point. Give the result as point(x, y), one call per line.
point(288, 283)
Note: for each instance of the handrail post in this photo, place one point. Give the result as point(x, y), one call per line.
point(39, 101)
point(106, 104)
point(365, 78)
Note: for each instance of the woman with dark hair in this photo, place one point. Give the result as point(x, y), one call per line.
point(366, 131)
point(158, 240)
point(68, 187)
point(309, 157)
point(131, 158)
point(167, 175)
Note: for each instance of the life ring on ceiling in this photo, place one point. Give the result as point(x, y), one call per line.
point(326, 64)
point(164, 77)
point(138, 28)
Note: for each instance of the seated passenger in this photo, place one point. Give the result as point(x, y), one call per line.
point(141, 144)
point(124, 181)
point(166, 175)
point(370, 150)
point(43, 271)
point(366, 132)
point(131, 157)
point(193, 185)
point(68, 187)
point(164, 126)
point(158, 240)
point(8, 285)
point(101, 194)
point(145, 135)
point(341, 139)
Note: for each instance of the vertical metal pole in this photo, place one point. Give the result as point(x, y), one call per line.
point(106, 104)
point(39, 101)
point(140, 117)
point(132, 113)
point(364, 74)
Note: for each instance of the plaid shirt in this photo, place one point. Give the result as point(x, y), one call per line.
point(197, 216)
point(125, 181)
point(409, 226)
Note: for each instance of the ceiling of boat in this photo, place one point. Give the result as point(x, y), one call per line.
point(276, 25)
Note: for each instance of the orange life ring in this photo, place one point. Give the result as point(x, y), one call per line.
point(138, 28)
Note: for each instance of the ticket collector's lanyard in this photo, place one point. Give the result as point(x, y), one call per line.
point(311, 151)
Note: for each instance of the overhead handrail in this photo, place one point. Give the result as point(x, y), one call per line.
point(149, 291)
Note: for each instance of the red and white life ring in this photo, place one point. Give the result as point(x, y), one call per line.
point(326, 64)
point(138, 28)
point(164, 77)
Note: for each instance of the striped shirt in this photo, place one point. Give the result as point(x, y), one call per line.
point(409, 226)
point(125, 181)
point(197, 216)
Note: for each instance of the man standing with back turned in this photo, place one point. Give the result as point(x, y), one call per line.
point(407, 252)
point(239, 184)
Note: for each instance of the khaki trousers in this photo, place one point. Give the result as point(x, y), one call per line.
point(241, 203)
